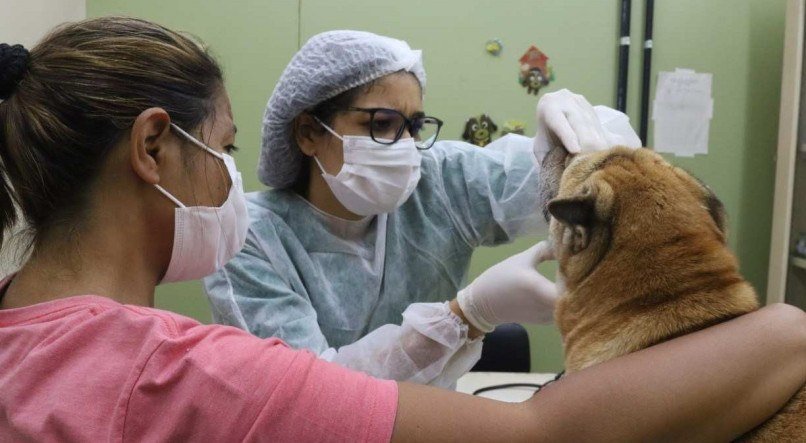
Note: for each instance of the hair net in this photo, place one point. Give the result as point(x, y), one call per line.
point(327, 65)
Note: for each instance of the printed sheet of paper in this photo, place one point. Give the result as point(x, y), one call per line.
point(682, 112)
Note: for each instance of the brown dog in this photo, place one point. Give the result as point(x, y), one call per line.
point(642, 250)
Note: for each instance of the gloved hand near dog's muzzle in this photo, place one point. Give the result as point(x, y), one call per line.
point(511, 291)
point(569, 120)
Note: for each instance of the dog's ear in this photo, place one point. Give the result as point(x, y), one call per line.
point(578, 210)
point(715, 208)
point(581, 212)
point(578, 214)
point(551, 171)
point(717, 211)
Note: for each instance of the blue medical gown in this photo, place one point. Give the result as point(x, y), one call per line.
point(320, 282)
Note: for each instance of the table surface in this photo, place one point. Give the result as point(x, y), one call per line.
point(475, 380)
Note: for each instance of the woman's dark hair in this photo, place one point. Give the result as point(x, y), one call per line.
point(71, 99)
point(325, 111)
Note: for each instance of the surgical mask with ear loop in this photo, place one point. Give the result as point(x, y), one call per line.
point(206, 238)
point(375, 178)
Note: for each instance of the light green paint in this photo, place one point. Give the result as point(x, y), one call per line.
point(739, 41)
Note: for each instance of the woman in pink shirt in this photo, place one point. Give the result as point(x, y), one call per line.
point(114, 140)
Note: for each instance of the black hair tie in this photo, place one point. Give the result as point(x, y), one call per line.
point(13, 66)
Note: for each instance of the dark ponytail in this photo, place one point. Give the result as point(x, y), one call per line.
point(67, 103)
point(13, 65)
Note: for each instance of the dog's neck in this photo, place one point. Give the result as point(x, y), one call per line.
point(633, 300)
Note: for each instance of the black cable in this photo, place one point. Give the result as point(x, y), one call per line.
point(537, 386)
point(646, 78)
point(623, 56)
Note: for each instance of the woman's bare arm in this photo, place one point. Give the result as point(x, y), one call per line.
point(712, 385)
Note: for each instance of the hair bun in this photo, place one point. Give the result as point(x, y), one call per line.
point(13, 65)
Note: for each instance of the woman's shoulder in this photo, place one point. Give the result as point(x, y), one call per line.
point(455, 148)
point(99, 317)
point(273, 208)
point(281, 221)
point(270, 201)
point(446, 155)
point(161, 325)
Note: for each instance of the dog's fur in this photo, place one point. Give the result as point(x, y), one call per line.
point(642, 251)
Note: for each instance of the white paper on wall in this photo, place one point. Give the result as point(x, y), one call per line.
point(682, 112)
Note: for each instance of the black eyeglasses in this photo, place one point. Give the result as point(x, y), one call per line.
point(386, 126)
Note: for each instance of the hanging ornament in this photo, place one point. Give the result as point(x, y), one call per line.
point(535, 72)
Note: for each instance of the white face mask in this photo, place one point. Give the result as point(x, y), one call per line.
point(206, 238)
point(375, 178)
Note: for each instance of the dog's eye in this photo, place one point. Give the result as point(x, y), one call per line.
point(475, 127)
point(484, 125)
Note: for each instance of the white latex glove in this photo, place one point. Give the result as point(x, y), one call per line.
point(617, 128)
point(569, 119)
point(511, 291)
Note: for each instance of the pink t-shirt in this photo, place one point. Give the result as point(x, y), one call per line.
point(87, 368)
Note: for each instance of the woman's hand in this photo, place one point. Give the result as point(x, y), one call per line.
point(511, 291)
point(568, 119)
point(711, 385)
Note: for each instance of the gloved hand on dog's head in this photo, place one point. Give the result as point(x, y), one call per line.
point(569, 120)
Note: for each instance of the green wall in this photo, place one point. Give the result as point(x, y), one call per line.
point(739, 41)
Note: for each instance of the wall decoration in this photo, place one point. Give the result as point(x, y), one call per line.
point(513, 127)
point(479, 130)
point(494, 47)
point(535, 72)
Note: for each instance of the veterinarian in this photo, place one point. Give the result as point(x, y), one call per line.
point(130, 158)
point(371, 223)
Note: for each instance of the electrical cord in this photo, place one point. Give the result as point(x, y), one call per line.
point(536, 386)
